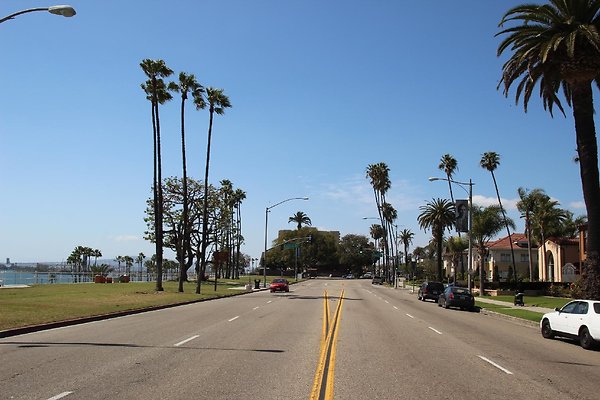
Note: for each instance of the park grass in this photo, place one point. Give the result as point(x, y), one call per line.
point(39, 304)
point(513, 312)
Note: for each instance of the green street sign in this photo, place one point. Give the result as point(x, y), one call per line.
point(290, 245)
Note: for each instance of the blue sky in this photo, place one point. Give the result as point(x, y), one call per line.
point(320, 90)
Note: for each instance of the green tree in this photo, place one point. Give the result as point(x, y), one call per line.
point(156, 91)
point(449, 165)
point(490, 161)
point(140, 261)
point(455, 247)
point(437, 215)
point(187, 85)
point(217, 103)
point(378, 175)
point(300, 218)
point(526, 205)
point(557, 46)
point(487, 223)
point(355, 253)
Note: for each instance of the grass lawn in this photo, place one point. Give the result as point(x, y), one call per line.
point(538, 301)
point(58, 302)
point(514, 312)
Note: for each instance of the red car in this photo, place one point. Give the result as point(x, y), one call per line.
point(280, 285)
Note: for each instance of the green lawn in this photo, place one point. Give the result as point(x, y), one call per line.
point(514, 312)
point(58, 302)
point(537, 301)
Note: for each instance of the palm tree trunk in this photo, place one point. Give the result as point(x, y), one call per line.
point(205, 206)
point(587, 150)
point(185, 240)
point(512, 251)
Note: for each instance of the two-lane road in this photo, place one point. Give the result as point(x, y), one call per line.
point(262, 345)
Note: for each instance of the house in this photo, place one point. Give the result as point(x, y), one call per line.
point(500, 258)
point(562, 261)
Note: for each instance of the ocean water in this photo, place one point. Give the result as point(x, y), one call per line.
point(29, 278)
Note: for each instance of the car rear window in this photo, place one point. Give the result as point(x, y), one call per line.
point(461, 291)
point(597, 308)
point(278, 280)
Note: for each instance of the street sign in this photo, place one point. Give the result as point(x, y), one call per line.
point(290, 246)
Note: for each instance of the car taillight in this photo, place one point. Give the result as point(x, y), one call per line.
point(451, 296)
point(426, 290)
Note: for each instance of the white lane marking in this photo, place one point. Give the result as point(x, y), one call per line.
point(255, 308)
point(60, 396)
point(496, 365)
point(270, 301)
point(396, 307)
point(410, 316)
point(435, 330)
point(233, 319)
point(186, 340)
point(387, 302)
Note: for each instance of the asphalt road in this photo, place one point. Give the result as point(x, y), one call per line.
point(267, 346)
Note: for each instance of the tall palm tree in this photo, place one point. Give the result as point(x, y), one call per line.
point(406, 237)
point(437, 215)
point(547, 220)
point(217, 103)
point(239, 195)
point(300, 218)
point(389, 216)
point(97, 253)
point(156, 91)
point(187, 85)
point(487, 222)
point(526, 205)
point(490, 161)
point(557, 46)
point(449, 165)
point(456, 246)
point(378, 174)
point(140, 261)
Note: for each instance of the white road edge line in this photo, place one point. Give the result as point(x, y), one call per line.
point(435, 330)
point(496, 365)
point(186, 340)
point(60, 396)
point(396, 307)
point(233, 319)
point(410, 316)
point(387, 302)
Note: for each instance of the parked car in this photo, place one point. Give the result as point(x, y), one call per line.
point(578, 319)
point(455, 296)
point(377, 280)
point(366, 275)
point(279, 285)
point(430, 290)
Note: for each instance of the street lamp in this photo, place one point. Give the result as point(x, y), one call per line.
point(64, 10)
point(470, 193)
point(266, 227)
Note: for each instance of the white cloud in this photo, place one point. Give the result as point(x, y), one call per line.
point(579, 205)
point(126, 238)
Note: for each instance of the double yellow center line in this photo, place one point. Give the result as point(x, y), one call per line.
point(323, 383)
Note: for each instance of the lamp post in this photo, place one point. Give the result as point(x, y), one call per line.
point(266, 227)
point(64, 10)
point(470, 193)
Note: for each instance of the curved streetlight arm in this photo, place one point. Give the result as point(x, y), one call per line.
point(64, 10)
point(281, 202)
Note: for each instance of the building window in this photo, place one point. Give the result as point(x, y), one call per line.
point(505, 257)
point(525, 258)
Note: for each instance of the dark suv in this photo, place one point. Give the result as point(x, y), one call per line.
point(430, 290)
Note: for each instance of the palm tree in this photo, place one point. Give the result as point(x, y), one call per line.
point(300, 218)
point(526, 205)
point(389, 216)
point(156, 92)
point(406, 237)
point(140, 261)
point(119, 260)
point(456, 246)
point(487, 222)
point(558, 46)
point(239, 195)
point(217, 103)
point(490, 161)
point(187, 84)
point(437, 215)
point(449, 165)
point(97, 253)
point(380, 181)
